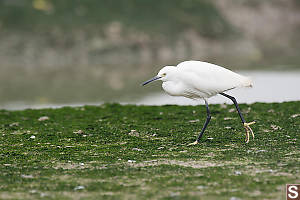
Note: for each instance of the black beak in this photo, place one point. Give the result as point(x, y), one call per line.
point(152, 79)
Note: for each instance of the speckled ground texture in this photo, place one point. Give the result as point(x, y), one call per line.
point(117, 151)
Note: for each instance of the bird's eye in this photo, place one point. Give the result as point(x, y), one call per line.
point(164, 74)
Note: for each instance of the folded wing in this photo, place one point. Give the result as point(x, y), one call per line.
point(205, 79)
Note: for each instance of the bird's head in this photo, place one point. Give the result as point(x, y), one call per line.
point(164, 74)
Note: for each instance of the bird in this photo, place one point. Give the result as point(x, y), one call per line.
point(201, 80)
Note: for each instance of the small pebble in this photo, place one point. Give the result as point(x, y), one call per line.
point(237, 173)
point(275, 127)
point(228, 118)
point(295, 115)
point(137, 149)
point(78, 132)
point(14, 124)
point(134, 133)
point(43, 118)
point(79, 187)
point(26, 176)
point(231, 110)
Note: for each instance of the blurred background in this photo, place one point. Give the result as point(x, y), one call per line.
point(55, 52)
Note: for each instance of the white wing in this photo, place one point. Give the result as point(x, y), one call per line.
point(205, 79)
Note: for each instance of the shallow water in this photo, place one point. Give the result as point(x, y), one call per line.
point(268, 86)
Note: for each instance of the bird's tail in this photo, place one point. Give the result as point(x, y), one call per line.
point(247, 82)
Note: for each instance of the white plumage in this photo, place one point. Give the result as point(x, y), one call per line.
point(196, 79)
point(201, 80)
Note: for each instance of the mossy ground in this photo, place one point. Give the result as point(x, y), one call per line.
point(114, 151)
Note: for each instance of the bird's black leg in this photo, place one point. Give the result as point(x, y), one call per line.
point(205, 124)
point(246, 125)
point(236, 105)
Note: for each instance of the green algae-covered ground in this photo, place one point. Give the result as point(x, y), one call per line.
point(114, 151)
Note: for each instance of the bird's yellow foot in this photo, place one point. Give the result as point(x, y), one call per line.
point(248, 129)
point(193, 143)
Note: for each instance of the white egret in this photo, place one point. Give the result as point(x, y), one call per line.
point(201, 80)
